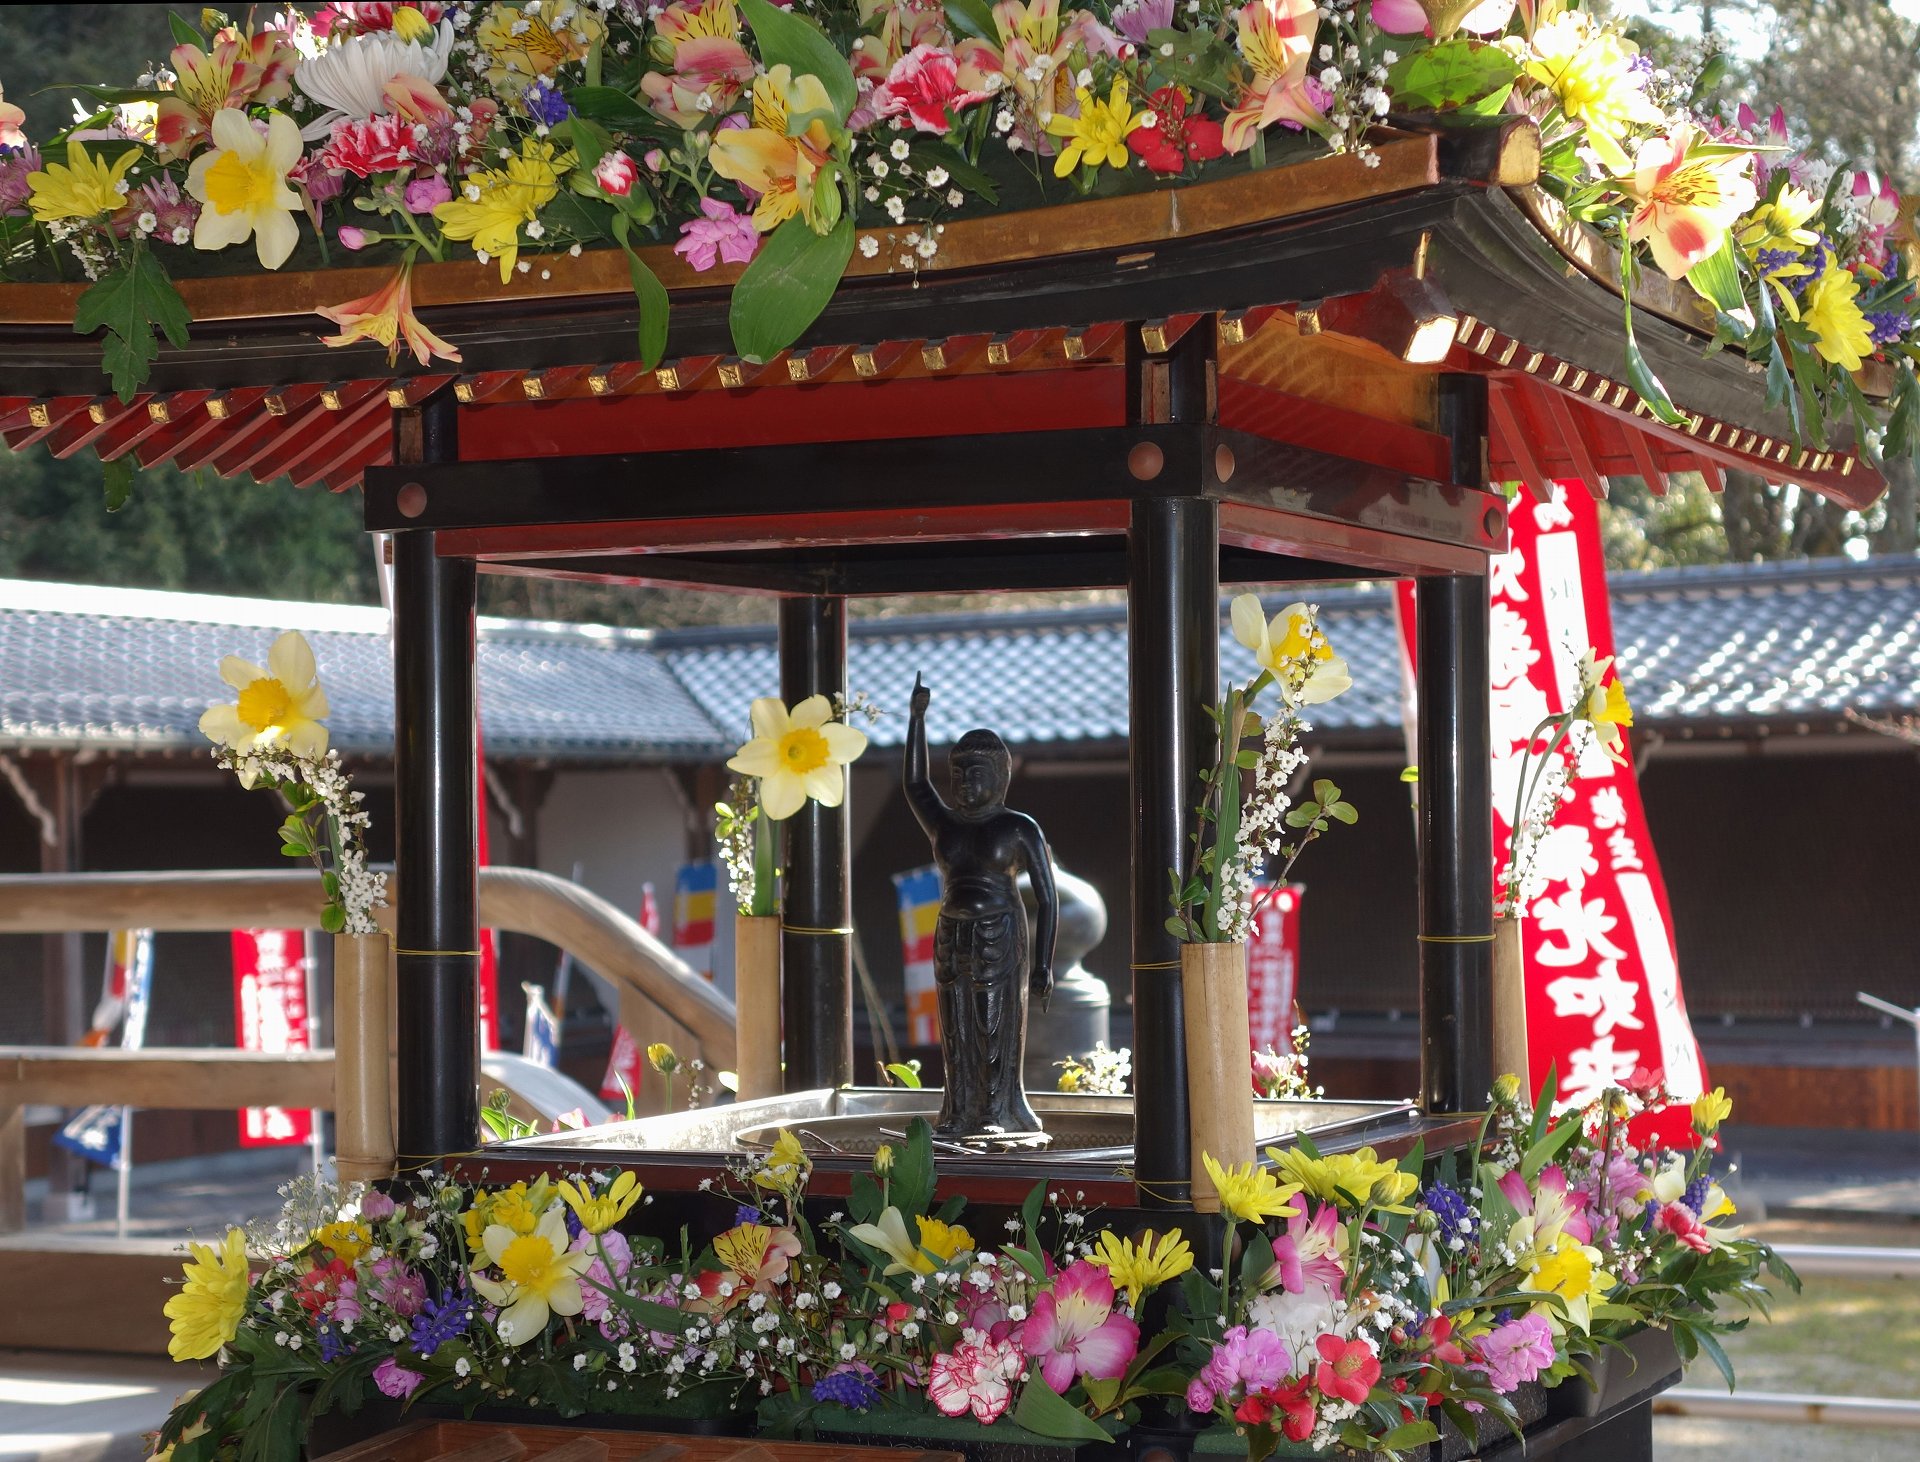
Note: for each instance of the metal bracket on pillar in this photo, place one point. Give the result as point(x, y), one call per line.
point(816, 941)
point(437, 924)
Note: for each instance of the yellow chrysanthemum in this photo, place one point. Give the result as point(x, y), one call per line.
point(599, 1212)
point(787, 1165)
point(85, 187)
point(1098, 136)
point(205, 1315)
point(661, 1057)
point(281, 705)
point(1781, 223)
point(347, 1238)
point(1137, 1265)
point(495, 202)
point(1249, 1192)
point(1830, 308)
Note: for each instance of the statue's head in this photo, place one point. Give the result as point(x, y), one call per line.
point(981, 767)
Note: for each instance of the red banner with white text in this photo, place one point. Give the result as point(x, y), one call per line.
point(270, 1014)
point(1273, 969)
point(1604, 1005)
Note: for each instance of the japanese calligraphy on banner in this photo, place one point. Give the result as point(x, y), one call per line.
point(270, 1014)
point(919, 894)
point(1604, 1005)
point(1273, 969)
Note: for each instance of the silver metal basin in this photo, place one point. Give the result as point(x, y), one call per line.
point(854, 1120)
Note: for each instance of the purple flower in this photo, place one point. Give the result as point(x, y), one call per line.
point(545, 104)
point(15, 164)
point(850, 1385)
point(1137, 18)
point(1255, 1359)
point(746, 1213)
point(396, 1380)
point(442, 1320)
point(1517, 1352)
point(1453, 1212)
point(345, 1308)
point(723, 233)
point(333, 1344)
point(376, 1206)
point(1887, 325)
point(423, 193)
point(399, 1288)
point(354, 238)
point(596, 1282)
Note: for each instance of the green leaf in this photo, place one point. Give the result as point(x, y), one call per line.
point(904, 1074)
point(610, 106)
point(1714, 1353)
point(1343, 812)
point(1717, 278)
point(1450, 75)
point(116, 482)
point(1046, 1411)
point(1030, 1211)
point(654, 308)
point(1409, 1434)
point(788, 284)
point(1542, 1152)
point(130, 302)
point(792, 40)
point(184, 33)
point(1102, 1393)
point(973, 18)
point(911, 1182)
point(928, 155)
point(333, 918)
point(1177, 928)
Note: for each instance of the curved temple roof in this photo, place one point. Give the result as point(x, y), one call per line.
point(1338, 293)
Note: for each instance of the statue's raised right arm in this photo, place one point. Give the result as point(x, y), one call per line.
point(915, 778)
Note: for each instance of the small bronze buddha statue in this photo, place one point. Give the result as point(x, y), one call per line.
point(983, 970)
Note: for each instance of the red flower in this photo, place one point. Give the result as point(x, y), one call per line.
point(320, 1285)
point(1347, 1368)
point(1299, 1408)
point(1173, 139)
point(1679, 1220)
point(364, 148)
point(1439, 1334)
point(1254, 1410)
point(924, 86)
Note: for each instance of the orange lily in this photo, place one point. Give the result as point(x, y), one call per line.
point(386, 316)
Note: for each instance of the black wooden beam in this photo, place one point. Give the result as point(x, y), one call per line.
point(437, 924)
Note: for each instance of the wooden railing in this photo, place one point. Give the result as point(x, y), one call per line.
point(662, 997)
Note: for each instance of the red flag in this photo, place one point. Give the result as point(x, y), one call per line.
point(270, 1014)
point(1273, 969)
point(626, 1058)
point(1604, 1005)
point(489, 958)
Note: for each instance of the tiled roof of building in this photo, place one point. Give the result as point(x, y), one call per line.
point(1792, 646)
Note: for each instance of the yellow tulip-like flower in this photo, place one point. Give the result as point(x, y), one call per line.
point(348, 1239)
point(883, 1159)
point(1710, 1109)
point(599, 1212)
point(787, 1165)
point(242, 181)
point(495, 202)
point(85, 187)
point(1098, 136)
point(1293, 649)
point(661, 1057)
point(540, 1276)
point(1138, 1265)
point(205, 1315)
point(937, 1243)
point(780, 156)
point(1249, 1192)
point(281, 705)
point(799, 754)
point(1830, 308)
point(410, 25)
point(1781, 223)
point(1588, 68)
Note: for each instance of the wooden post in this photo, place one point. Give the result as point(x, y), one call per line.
point(437, 924)
point(1219, 1088)
point(817, 897)
point(756, 996)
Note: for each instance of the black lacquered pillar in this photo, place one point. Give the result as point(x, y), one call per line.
point(1173, 670)
point(816, 939)
point(1456, 845)
point(437, 924)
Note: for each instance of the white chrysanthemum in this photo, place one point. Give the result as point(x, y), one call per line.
point(350, 79)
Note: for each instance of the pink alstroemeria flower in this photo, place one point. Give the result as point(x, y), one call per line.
point(1073, 1330)
point(1553, 1206)
point(1685, 202)
point(1307, 1253)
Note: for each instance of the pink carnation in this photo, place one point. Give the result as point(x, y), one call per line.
point(924, 86)
point(616, 174)
point(365, 148)
point(976, 1378)
point(423, 195)
point(1516, 1352)
point(396, 1380)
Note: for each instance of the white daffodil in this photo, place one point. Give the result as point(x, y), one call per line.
point(350, 77)
point(540, 1276)
point(281, 705)
point(799, 754)
point(242, 180)
point(1292, 647)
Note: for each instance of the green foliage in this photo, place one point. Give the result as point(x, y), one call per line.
point(787, 285)
point(1450, 74)
point(130, 302)
point(790, 39)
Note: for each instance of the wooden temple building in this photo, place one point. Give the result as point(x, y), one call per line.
point(1322, 372)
